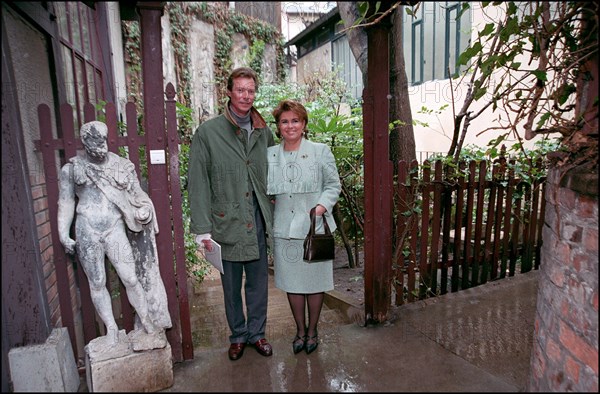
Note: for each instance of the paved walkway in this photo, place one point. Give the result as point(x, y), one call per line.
point(476, 340)
point(209, 324)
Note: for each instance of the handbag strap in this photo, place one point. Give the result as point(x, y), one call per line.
point(313, 219)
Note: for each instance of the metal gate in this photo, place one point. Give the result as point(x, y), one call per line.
point(163, 186)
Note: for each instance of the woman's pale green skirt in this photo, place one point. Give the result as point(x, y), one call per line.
point(295, 275)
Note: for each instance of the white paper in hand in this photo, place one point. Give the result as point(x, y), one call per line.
point(214, 256)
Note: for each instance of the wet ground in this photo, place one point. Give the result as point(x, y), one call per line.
point(475, 340)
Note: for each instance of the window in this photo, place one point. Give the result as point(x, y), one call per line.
point(81, 57)
point(320, 35)
point(349, 70)
point(417, 62)
point(451, 50)
point(434, 39)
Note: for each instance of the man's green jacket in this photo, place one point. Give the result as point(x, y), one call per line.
point(225, 169)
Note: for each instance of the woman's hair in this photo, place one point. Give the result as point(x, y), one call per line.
point(242, 72)
point(295, 107)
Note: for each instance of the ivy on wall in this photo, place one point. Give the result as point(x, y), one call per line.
point(133, 60)
point(180, 27)
point(226, 23)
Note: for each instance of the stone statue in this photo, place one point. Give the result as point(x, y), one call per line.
point(116, 219)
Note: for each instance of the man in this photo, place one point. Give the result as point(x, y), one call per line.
point(229, 204)
point(115, 218)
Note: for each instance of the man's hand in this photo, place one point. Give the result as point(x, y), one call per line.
point(207, 244)
point(204, 243)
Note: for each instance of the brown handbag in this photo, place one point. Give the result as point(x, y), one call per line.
point(318, 247)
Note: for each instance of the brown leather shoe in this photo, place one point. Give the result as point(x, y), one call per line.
point(263, 347)
point(236, 350)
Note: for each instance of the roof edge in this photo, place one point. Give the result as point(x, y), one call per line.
point(331, 15)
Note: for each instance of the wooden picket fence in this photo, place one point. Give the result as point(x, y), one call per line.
point(461, 226)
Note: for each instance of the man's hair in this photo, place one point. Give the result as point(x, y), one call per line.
point(242, 72)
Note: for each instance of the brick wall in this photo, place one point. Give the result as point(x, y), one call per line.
point(565, 351)
point(40, 206)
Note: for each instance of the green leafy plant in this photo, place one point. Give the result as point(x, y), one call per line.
point(197, 266)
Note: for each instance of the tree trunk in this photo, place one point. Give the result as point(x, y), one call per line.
point(357, 37)
point(402, 136)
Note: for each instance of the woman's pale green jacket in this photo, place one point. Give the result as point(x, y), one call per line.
point(299, 185)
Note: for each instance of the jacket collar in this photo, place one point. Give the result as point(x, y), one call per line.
point(258, 121)
point(304, 151)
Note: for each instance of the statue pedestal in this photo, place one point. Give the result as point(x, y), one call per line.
point(48, 367)
point(121, 369)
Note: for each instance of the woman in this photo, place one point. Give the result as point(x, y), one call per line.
point(302, 175)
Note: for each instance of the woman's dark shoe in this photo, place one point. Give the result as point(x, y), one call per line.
point(298, 344)
point(311, 343)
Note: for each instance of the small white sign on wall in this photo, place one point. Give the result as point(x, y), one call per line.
point(157, 156)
